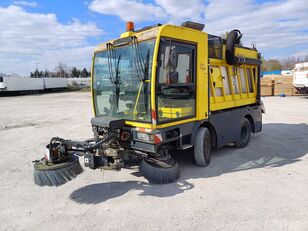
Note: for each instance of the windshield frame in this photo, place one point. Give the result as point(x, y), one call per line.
point(150, 77)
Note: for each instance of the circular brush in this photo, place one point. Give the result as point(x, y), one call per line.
point(56, 174)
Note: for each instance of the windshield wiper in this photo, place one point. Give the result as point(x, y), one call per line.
point(145, 82)
point(110, 53)
point(117, 82)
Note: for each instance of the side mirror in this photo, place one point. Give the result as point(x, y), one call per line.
point(171, 57)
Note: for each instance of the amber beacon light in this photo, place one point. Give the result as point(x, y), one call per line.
point(130, 26)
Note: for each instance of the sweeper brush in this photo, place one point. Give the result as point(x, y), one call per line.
point(56, 174)
point(61, 161)
point(59, 165)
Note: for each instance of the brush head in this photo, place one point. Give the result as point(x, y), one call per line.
point(56, 174)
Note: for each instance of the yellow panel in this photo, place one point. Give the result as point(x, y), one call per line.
point(235, 99)
point(216, 76)
point(175, 112)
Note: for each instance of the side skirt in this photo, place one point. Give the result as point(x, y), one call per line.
point(227, 123)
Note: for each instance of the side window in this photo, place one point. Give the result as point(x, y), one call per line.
point(249, 77)
point(1, 79)
point(176, 91)
point(183, 67)
point(215, 47)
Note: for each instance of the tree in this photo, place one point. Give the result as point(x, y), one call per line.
point(46, 73)
point(62, 70)
point(270, 65)
point(84, 73)
point(75, 72)
point(36, 74)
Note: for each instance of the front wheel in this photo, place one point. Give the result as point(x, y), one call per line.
point(160, 171)
point(243, 141)
point(202, 147)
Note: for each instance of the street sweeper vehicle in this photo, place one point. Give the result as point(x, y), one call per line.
point(158, 89)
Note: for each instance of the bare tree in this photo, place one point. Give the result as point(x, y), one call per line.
point(62, 70)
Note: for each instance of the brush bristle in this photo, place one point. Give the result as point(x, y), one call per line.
point(57, 176)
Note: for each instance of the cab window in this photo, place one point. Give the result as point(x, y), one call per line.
point(176, 92)
point(215, 47)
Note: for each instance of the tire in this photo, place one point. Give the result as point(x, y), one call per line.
point(202, 147)
point(131, 161)
point(156, 174)
point(245, 134)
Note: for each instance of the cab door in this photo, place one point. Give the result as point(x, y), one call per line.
point(176, 81)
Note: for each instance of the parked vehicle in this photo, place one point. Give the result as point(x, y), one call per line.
point(20, 84)
point(23, 85)
point(172, 88)
point(300, 77)
point(55, 83)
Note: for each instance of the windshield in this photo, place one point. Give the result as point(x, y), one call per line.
point(121, 81)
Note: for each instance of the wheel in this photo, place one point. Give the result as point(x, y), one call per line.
point(160, 171)
point(202, 147)
point(245, 134)
point(130, 161)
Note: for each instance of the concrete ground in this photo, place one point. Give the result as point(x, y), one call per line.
point(261, 187)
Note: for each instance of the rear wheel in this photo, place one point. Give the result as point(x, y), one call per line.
point(202, 147)
point(245, 134)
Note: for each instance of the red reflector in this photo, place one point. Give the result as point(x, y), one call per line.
point(157, 138)
point(153, 114)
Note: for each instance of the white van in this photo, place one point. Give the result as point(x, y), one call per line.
point(2, 83)
point(300, 77)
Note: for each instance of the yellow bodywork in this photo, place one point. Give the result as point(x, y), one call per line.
point(236, 78)
point(227, 83)
point(175, 112)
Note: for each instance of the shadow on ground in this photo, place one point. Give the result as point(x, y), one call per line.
point(276, 146)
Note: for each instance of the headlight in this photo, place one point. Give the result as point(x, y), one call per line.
point(145, 137)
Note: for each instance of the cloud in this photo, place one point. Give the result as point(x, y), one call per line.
point(30, 38)
point(25, 3)
point(139, 11)
point(273, 25)
point(181, 10)
point(128, 9)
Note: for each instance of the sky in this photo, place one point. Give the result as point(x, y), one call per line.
point(42, 33)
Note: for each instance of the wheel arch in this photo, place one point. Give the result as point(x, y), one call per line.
point(213, 133)
point(251, 121)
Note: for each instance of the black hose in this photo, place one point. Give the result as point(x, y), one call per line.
point(233, 38)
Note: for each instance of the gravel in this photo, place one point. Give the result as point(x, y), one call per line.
point(261, 187)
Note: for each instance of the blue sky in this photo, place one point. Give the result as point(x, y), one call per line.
point(46, 32)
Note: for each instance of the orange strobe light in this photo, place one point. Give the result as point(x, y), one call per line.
point(130, 26)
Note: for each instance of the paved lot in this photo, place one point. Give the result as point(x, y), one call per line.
point(261, 187)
